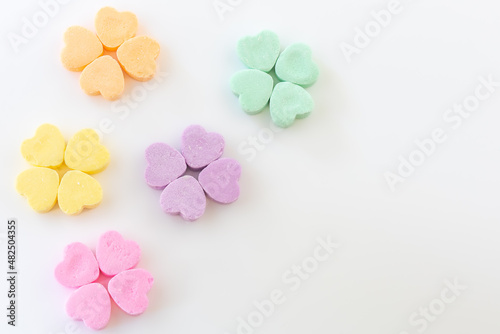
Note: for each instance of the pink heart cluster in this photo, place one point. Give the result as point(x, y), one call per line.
point(114, 257)
point(185, 195)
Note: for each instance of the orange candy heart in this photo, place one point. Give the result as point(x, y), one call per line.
point(103, 76)
point(137, 57)
point(114, 27)
point(82, 48)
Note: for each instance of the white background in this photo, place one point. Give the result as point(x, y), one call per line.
point(322, 177)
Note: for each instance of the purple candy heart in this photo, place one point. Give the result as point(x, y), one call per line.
point(184, 196)
point(165, 164)
point(200, 147)
point(220, 180)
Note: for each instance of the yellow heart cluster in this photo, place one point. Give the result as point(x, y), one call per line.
point(115, 32)
point(60, 172)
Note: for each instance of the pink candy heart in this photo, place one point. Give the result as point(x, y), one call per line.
point(220, 180)
point(199, 147)
point(79, 266)
point(165, 164)
point(184, 196)
point(114, 254)
point(91, 304)
point(129, 290)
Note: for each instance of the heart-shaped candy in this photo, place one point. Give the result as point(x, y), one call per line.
point(46, 148)
point(79, 266)
point(165, 164)
point(254, 89)
point(90, 303)
point(184, 196)
point(39, 185)
point(85, 152)
point(114, 254)
point(220, 180)
point(200, 147)
point(82, 48)
point(78, 191)
point(129, 290)
point(288, 102)
point(259, 52)
point(137, 57)
point(295, 65)
point(114, 27)
point(103, 76)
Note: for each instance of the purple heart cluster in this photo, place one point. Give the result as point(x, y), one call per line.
point(184, 194)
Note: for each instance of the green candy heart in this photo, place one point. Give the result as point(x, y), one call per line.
point(254, 89)
point(259, 52)
point(295, 65)
point(288, 102)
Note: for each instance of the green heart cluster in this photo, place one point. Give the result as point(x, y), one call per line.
point(293, 69)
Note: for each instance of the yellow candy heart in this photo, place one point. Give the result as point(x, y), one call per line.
point(137, 57)
point(103, 76)
point(85, 153)
point(114, 27)
point(46, 148)
point(82, 48)
point(39, 185)
point(77, 192)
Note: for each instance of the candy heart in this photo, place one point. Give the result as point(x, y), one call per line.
point(78, 191)
point(103, 76)
point(114, 27)
point(259, 52)
point(114, 254)
point(295, 65)
point(85, 153)
point(46, 148)
point(137, 57)
point(184, 196)
point(129, 290)
point(165, 164)
point(39, 185)
point(288, 102)
point(82, 48)
point(79, 266)
point(254, 89)
point(220, 180)
point(199, 147)
point(90, 303)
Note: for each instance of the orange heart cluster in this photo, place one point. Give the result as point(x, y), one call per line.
point(102, 74)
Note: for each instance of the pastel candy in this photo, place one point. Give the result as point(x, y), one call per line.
point(85, 153)
point(46, 148)
point(90, 303)
point(254, 89)
point(295, 65)
point(114, 27)
point(103, 76)
point(259, 52)
point(220, 180)
point(114, 254)
point(288, 102)
point(82, 48)
point(164, 164)
point(137, 57)
point(129, 290)
point(78, 191)
point(199, 147)
point(39, 185)
point(79, 266)
point(184, 196)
